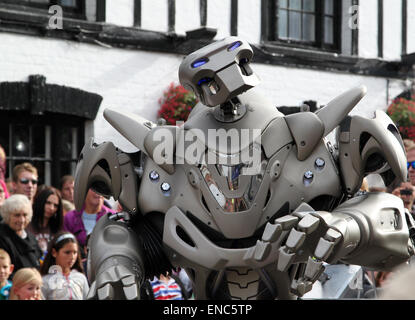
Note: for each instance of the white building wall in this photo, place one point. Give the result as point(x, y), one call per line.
point(368, 29)
point(249, 20)
point(347, 27)
point(134, 80)
point(120, 12)
point(392, 29)
point(154, 15)
point(187, 16)
point(219, 16)
point(411, 27)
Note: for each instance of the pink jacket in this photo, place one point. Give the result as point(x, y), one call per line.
point(74, 224)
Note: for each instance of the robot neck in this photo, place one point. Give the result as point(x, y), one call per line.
point(230, 111)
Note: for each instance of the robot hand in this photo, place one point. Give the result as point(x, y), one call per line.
point(115, 282)
point(310, 239)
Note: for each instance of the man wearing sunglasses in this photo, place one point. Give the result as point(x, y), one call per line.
point(25, 180)
point(410, 156)
point(406, 191)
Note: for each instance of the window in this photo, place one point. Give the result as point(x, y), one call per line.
point(306, 23)
point(70, 8)
point(44, 124)
point(51, 144)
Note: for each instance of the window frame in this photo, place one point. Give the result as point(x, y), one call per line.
point(51, 166)
point(271, 28)
point(43, 8)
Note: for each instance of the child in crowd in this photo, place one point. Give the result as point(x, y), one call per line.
point(27, 283)
point(165, 287)
point(62, 270)
point(6, 269)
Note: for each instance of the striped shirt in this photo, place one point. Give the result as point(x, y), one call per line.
point(166, 291)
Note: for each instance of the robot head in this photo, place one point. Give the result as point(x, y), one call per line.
point(218, 72)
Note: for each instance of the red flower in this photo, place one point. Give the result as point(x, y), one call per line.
point(176, 104)
point(402, 112)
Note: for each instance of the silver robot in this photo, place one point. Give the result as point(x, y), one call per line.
point(249, 201)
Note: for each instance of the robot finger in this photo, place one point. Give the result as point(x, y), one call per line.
point(285, 259)
point(92, 292)
point(326, 244)
point(324, 249)
point(262, 250)
point(272, 232)
point(106, 292)
point(128, 280)
point(313, 270)
point(122, 273)
point(333, 235)
point(295, 240)
point(286, 222)
point(131, 292)
point(308, 224)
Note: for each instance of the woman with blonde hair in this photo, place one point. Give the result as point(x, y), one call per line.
point(27, 284)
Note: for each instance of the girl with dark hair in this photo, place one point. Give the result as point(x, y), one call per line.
point(47, 217)
point(62, 271)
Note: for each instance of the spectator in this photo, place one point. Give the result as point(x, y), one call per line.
point(67, 187)
point(9, 185)
point(67, 206)
point(27, 284)
point(410, 156)
point(47, 217)
point(21, 246)
point(3, 194)
point(164, 287)
point(63, 266)
point(2, 163)
point(81, 223)
point(25, 179)
point(406, 191)
point(6, 269)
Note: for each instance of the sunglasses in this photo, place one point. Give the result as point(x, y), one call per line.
point(26, 181)
point(410, 164)
point(406, 192)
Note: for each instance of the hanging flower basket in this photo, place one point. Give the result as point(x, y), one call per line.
point(402, 113)
point(176, 104)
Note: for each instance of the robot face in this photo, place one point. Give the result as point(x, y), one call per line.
point(219, 72)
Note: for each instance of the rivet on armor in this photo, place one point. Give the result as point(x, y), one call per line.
point(319, 163)
point(165, 187)
point(275, 170)
point(193, 178)
point(308, 178)
point(154, 176)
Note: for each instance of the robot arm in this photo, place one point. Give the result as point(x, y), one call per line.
point(115, 261)
point(370, 230)
point(115, 256)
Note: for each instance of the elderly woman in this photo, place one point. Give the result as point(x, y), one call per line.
point(19, 244)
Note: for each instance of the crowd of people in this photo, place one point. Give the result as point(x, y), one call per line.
point(43, 240)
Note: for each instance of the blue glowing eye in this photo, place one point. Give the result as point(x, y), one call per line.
point(199, 62)
point(234, 45)
point(204, 80)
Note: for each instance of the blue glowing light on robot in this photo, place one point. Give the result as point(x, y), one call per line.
point(234, 45)
point(199, 62)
